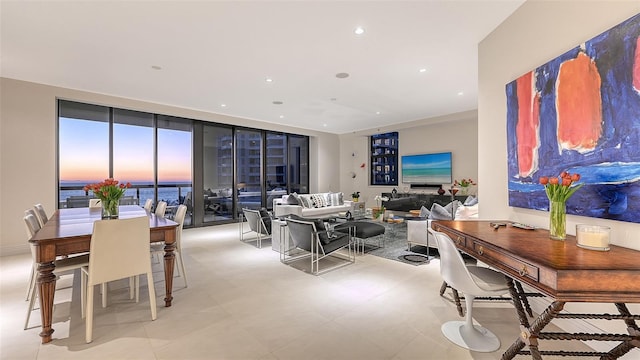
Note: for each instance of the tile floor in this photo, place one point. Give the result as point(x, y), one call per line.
point(242, 303)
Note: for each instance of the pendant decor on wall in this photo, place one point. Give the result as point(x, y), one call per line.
point(580, 113)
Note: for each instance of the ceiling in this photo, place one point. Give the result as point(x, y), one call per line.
point(216, 56)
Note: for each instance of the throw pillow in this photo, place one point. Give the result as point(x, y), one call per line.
point(336, 199)
point(438, 212)
point(424, 212)
point(306, 201)
point(319, 201)
point(450, 207)
point(470, 200)
point(294, 199)
point(266, 219)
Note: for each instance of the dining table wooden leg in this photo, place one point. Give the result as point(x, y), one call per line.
point(46, 289)
point(169, 261)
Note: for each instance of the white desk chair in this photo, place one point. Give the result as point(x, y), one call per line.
point(61, 265)
point(158, 248)
point(472, 281)
point(126, 241)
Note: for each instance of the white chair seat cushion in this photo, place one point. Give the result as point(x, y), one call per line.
point(488, 280)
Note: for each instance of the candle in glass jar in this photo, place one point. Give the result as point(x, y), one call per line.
point(593, 237)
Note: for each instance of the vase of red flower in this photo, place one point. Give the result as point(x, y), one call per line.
point(559, 190)
point(464, 185)
point(109, 192)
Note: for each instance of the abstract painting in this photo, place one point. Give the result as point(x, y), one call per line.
point(580, 113)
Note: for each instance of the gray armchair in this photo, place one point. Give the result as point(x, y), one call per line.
point(259, 223)
point(317, 243)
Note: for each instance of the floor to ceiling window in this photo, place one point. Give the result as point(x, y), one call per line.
point(133, 149)
point(214, 169)
point(249, 168)
point(175, 163)
point(298, 164)
point(217, 167)
point(275, 166)
point(83, 150)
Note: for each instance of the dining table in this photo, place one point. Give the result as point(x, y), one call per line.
point(68, 232)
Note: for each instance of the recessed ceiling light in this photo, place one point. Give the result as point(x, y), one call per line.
point(460, 93)
point(423, 70)
point(377, 112)
point(277, 102)
point(223, 105)
point(268, 80)
point(281, 116)
point(156, 67)
point(342, 75)
point(325, 125)
point(359, 30)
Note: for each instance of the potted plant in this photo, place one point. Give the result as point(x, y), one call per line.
point(355, 196)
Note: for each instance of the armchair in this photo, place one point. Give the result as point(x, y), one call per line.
point(259, 222)
point(317, 244)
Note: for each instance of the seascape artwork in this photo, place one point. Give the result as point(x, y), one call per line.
point(580, 113)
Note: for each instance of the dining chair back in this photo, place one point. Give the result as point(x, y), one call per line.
point(473, 281)
point(42, 215)
point(148, 204)
point(161, 208)
point(119, 249)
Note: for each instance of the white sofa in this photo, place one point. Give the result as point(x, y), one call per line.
point(311, 209)
point(417, 233)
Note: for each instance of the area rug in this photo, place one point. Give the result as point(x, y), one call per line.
point(395, 248)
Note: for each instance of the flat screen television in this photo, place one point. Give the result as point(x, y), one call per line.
point(427, 169)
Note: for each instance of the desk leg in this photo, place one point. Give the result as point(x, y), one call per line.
point(46, 289)
point(529, 334)
point(633, 330)
point(169, 261)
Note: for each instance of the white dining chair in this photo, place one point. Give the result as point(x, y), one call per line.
point(157, 249)
point(148, 204)
point(61, 266)
point(161, 208)
point(472, 281)
point(42, 215)
point(119, 249)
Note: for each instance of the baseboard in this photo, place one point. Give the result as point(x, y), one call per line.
point(17, 249)
point(540, 304)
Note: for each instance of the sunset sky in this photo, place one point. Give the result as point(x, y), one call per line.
point(84, 152)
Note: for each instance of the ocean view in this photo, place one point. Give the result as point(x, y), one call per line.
point(171, 192)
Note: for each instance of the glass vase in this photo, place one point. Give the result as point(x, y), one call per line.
point(110, 209)
point(557, 220)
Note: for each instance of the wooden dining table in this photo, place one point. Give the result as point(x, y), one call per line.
point(69, 231)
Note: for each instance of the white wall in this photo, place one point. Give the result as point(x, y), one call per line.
point(456, 133)
point(536, 33)
point(28, 149)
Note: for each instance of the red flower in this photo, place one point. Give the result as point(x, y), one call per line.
point(560, 188)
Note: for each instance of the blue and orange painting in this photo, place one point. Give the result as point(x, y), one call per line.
point(580, 113)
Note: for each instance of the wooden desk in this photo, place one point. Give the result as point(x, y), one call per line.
point(560, 270)
point(69, 232)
